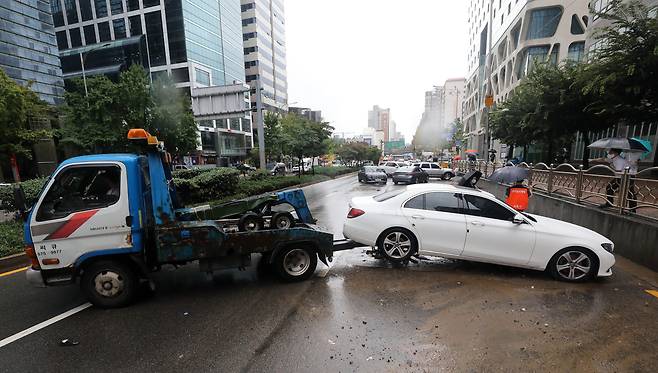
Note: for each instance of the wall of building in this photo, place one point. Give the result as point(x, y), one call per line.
point(506, 37)
point(28, 48)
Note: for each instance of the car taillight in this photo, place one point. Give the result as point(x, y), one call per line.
point(353, 213)
point(29, 251)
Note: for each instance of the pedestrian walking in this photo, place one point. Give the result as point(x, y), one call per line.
point(518, 195)
point(619, 164)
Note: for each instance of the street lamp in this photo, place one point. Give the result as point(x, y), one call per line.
point(260, 126)
point(83, 56)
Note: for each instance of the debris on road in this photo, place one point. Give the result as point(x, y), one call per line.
point(68, 342)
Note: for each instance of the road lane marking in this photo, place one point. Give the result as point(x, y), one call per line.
point(14, 271)
point(653, 292)
point(44, 324)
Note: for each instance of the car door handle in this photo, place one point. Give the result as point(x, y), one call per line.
point(419, 217)
point(477, 223)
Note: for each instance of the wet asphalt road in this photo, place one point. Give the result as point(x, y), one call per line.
point(359, 315)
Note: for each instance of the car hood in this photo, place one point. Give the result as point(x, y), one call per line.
point(554, 226)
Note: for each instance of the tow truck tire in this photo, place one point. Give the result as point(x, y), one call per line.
point(250, 222)
point(109, 284)
point(282, 220)
point(295, 263)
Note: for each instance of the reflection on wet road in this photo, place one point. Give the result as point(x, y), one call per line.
point(362, 314)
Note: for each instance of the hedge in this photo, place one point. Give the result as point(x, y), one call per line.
point(32, 188)
point(191, 173)
point(11, 238)
point(335, 171)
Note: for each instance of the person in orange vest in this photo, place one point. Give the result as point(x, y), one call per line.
point(518, 195)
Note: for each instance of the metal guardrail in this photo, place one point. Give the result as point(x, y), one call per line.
point(626, 193)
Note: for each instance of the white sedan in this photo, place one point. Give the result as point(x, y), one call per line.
point(470, 224)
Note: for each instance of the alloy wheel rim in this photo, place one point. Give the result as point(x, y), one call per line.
point(573, 265)
point(397, 245)
point(296, 262)
point(108, 284)
point(283, 223)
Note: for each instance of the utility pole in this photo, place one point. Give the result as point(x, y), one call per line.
point(260, 126)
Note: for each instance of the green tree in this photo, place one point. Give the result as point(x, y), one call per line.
point(623, 71)
point(274, 146)
point(302, 137)
point(172, 119)
point(18, 107)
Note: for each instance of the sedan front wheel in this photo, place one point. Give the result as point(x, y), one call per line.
point(573, 265)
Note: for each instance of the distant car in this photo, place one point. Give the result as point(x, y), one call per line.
point(466, 223)
point(410, 175)
point(182, 167)
point(368, 163)
point(390, 166)
point(278, 169)
point(435, 170)
point(372, 174)
point(243, 167)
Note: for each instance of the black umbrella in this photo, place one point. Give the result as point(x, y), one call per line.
point(624, 143)
point(509, 174)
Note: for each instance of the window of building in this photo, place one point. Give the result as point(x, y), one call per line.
point(71, 11)
point(576, 28)
point(248, 21)
point(58, 16)
point(181, 75)
point(530, 57)
point(80, 188)
point(135, 25)
point(119, 26)
point(206, 123)
point(85, 10)
point(246, 124)
point(155, 38)
point(101, 8)
point(116, 6)
point(90, 35)
point(132, 4)
point(599, 6)
point(509, 8)
point(516, 33)
point(235, 124)
point(104, 31)
point(486, 208)
point(76, 39)
point(553, 58)
point(62, 42)
point(150, 3)
point(208, 140)
point(221, 123)
point(544, 22)
point(175, 32)
point(202, 77)
point(576, 51)
point(245, 7)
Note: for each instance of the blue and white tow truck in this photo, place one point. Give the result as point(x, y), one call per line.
point(109, 220)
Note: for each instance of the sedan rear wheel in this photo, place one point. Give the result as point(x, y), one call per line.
point(573, 265)
point(397, 245)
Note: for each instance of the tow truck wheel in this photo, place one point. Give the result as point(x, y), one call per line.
point(109, 284)
point(250, 222)
point(282, 220)
point(295, 263)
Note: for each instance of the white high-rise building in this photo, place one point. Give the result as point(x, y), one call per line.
point(506, 37)
point(264, 36)
point(443, 104)
point(380, 119)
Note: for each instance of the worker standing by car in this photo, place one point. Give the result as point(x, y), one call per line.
point(518, 195)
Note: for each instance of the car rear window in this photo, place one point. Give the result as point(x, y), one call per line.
point(388, 195)
point(407, 169)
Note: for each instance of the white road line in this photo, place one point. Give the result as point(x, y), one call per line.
point(44, 324)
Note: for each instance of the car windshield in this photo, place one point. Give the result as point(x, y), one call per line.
point(371, 169)
point(388, 195)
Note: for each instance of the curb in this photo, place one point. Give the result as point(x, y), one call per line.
point(14, 261)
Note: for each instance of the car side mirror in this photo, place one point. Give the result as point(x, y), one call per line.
point(518, 219)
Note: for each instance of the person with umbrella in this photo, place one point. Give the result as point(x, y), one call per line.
point(518, 195)
point(619, 164)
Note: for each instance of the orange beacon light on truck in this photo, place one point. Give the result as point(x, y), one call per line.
point(142, 134)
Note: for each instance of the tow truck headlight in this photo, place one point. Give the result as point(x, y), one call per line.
point(609, 247)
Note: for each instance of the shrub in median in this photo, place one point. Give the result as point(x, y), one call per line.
point(191, 173)
point(32, 188)
point(210, 185)
point(11, 237)
point(335, 171)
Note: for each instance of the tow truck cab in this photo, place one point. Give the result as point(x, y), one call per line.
point(110, 219)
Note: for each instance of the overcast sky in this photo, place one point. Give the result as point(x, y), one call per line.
point(344, 56)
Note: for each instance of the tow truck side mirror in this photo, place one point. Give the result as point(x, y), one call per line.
point(19, 201)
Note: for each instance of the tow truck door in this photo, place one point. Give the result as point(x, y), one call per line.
point(83, 209)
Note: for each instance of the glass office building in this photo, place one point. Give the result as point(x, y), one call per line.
point(197, 42)
point(28, 51)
